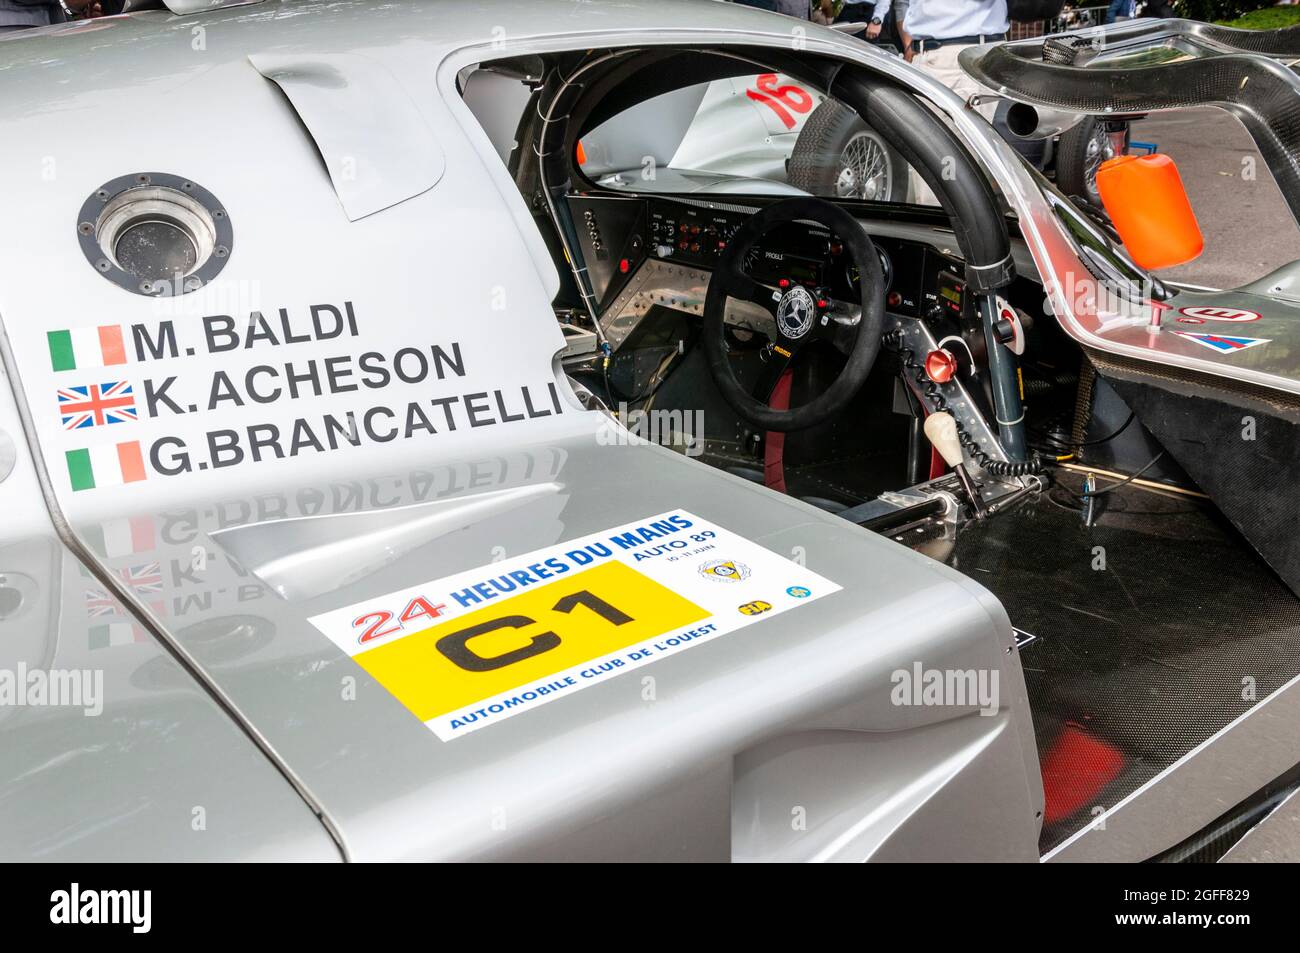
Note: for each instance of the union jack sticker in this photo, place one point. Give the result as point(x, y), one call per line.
point(93, 405)
point(99, 603)
point(144, 579)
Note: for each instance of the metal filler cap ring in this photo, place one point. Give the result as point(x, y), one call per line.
point(155, 234)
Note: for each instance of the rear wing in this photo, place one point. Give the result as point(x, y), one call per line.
point(1126, 70)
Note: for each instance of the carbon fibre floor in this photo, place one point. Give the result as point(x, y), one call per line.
point(1155, 628)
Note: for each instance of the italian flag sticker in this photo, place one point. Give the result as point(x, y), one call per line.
point(81, 348)
point(123, 537)
point(115, 633)
point(109, 465)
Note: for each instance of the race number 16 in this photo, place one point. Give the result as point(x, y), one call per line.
point(782, 100)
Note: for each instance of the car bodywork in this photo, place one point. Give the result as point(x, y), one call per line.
point(732, 135)
point(719, 128)
point(671, 776)
point(372, 217)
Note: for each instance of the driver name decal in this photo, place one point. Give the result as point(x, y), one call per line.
point(473, 649)
point(124, 375)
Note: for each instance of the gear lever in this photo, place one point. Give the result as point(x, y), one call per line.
point(941, 430)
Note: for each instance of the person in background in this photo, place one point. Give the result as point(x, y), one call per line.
point(941, 29)
point(874, 13)
point(24, 14)
point(900, 26)
point(802, 9)
point(1120, 10)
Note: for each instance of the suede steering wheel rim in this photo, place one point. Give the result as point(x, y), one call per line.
point(799, 318)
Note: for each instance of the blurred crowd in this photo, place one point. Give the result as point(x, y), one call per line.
point(884, 19)
point(25, 14)
point(881, 19)
point(891, 23)
point(929, 33)
point(898, 23)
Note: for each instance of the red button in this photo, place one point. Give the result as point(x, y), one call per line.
point(894, 299)
point(940, 366)
point(624, 265)
point(783, 283)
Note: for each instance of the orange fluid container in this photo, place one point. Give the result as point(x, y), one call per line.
point(1148, 205)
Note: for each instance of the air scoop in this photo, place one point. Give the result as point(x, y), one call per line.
point(304, 557)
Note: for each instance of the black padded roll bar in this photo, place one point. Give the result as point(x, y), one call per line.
point(931, 148)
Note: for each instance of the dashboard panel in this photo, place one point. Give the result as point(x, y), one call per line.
point(619, 234)
point(651, 260)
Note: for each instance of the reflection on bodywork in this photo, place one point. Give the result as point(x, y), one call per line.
point(309, 556)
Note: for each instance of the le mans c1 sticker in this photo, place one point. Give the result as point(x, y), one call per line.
point(473, 649)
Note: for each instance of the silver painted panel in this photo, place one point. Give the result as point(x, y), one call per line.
point(377, 146)
point(8, 455)
point(671, 285)
point(563, 774)
point(920, 340)
point(183, 7)
point(155, 771)
point(160, 772)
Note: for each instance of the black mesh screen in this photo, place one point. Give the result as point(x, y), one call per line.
point(1184, 629)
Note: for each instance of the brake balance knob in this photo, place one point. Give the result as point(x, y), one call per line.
point(940, 365)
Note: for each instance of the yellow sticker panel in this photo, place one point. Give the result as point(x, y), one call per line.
point(520, 640)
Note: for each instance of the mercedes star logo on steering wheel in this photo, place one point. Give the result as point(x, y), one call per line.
point(794, 314)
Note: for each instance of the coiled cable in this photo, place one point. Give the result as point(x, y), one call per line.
point(999, 468)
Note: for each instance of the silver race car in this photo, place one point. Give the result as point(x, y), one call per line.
point(745, 135)
point(445, 431)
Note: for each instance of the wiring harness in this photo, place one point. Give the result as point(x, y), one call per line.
point(1000, 468)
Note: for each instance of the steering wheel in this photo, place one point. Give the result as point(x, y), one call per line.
point(800, 315)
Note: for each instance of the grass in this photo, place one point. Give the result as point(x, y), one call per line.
point(1270, 18)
